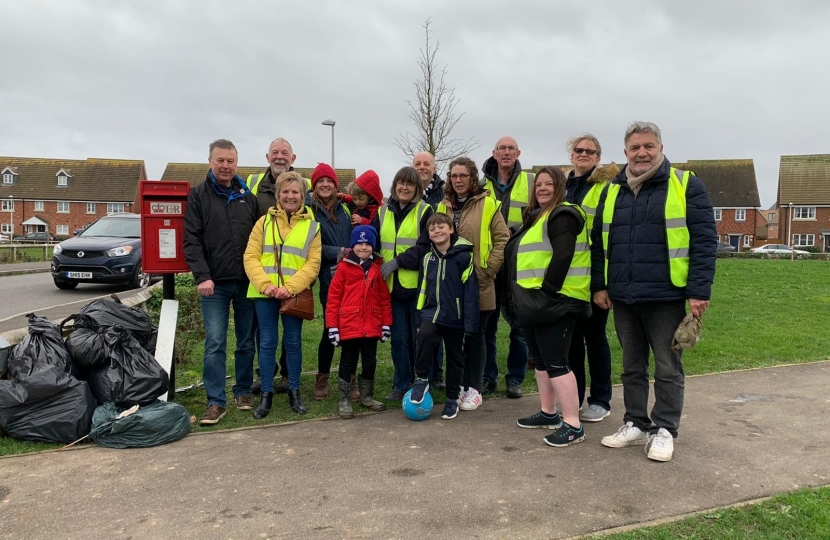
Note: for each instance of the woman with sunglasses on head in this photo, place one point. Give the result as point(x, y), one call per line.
point(477, 219)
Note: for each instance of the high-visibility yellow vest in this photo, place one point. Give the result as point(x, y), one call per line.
point(394, 243)
point(442, 269)
point(589, 205)
point(676, 231)
point(254, 180)
point(292, 251)
point(535, 253)
point(519, 196)
point(485, 246)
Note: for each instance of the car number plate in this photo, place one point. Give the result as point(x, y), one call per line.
point(79, 275)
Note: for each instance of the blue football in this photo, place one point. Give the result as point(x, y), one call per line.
point(419, 411)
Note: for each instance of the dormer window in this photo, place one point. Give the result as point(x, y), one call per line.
point(9, 175)
point(63, 177)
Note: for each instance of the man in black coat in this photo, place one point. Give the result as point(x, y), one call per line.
point(652, 250)
point(220, 213)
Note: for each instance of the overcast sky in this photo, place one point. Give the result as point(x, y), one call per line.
point(159, 81)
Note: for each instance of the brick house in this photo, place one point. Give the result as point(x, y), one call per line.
point(195, 173)
point(771, 216)
point(804, 201)
point(61, 195)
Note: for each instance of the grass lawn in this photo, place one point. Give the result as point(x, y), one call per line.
point(793, 516)
point(763, 313)
point(25, 254)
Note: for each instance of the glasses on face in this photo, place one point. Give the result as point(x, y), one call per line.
point(585, 151)
point(502, 148)
point(460, 176)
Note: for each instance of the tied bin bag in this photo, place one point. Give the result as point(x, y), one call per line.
point(133, 320)
point(86, 343)
point(151, 425)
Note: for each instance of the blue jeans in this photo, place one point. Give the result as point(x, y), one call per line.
point(268, 314)
point(403, 342)
point(516, 353)
point(216, 312)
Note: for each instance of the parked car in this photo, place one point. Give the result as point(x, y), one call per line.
point(781, 251)
point(4, 237)
point(108, 251)
point(35, 238)
point(726, 248)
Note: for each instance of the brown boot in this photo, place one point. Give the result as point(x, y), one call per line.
point(354, 393)
point(321, 387)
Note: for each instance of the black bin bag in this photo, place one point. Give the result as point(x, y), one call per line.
point(85, 343)
point(133, 320)
point(42, 346)
point(151, 425)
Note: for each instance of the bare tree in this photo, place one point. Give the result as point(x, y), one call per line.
point(433, 112)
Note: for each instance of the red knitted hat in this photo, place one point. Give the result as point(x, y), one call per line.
point(323, 170)
point(370, 183)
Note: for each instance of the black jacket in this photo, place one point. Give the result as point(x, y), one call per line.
point(450, 302)
point(436, 194)
point(334, 236)
point(491, 172)
point(216, 229)
point(266, 192)
point(638, 269)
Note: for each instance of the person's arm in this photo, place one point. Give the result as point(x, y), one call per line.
point(562, 231)
point(306, 275)
point(597, 251)
point(411, 258)
point(500, 235)
point(471, 302)
point(703, 241)
point(252, 257)
point(385, 300)
point(194, 248)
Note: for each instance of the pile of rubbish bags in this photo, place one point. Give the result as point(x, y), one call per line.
point(102, 381)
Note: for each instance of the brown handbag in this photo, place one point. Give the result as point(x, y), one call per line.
point(300, 305)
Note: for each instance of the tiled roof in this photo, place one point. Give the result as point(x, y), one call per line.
point(92, 180)
point(731, 182)
point(195, 173)
point(804, 179)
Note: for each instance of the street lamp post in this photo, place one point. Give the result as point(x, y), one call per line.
point(331, 123)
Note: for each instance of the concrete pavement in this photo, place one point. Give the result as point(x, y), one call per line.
point(13, 269)
point(744, 435)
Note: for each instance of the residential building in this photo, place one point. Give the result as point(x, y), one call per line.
point(771, 216)
point(804, 201)
point(196, 173)
point(61, 195)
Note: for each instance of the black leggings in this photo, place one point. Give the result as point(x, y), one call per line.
point(548, 346)
point(352, 349)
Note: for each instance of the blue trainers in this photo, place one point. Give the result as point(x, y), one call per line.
point(418, 390)
point(450, 409)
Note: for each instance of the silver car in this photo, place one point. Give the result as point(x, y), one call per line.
point(780, 251)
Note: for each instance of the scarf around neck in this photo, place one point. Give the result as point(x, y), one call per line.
point(636, 182)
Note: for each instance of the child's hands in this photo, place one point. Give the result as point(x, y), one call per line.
point(356, 219)
point(385, 333)
point(334, 336)
point(387, 268)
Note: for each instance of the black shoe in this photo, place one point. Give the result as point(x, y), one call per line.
point(295, 402)
point(514, 390)
point(540, 420)
point(488, 386)
point(264, 406)
point(565, 435)
point(281, 387)
point(256, 388)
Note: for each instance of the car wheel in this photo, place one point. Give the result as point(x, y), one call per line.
point(66, 285)
point(140, 279)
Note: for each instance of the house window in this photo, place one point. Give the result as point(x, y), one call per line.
point(804, 240)
point(718, 238)
point(746, 240)
point(90, 208)
point(8, 178)
point(62, 229)
point(805, 212)
point(38, 206)
point(63, 207)
point(6, 228)
point(8, 205)
point(740, 214)
point(115, 207)
point(62, 180)
point(772, 216)
point(718, 213)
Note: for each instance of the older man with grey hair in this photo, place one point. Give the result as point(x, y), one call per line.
point(653, 249)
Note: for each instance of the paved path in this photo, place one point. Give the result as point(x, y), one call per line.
point(24, 268)
point(744, 435)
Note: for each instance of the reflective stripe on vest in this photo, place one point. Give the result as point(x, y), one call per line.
point(589, 204)
point(293, 251)
point(485, 243)
point(519, 196)
point(394, 243)
point(535, 253)
point(255, 188)
point(677, 233)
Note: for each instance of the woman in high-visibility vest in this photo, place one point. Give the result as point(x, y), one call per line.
point(403, 240)
point(286, 241)
point(477, 219)
point(549, 269)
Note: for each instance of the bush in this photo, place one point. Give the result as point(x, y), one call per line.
point(190, 328)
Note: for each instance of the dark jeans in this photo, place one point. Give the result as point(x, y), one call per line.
point(403, 343)
point(474, 355)
point(352, 349)
point(638, 327)
point(429, 338)
point(325, 350)
point(517, 352)
point(216, 314)
point(268, 312)
point(548, 346)
point(438, 365)
point(590, 334)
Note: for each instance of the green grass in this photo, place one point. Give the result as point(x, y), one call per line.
point(763, 313)
point(798, 515)
point(27, 254)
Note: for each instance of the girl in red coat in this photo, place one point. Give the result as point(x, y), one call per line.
point(358, 313)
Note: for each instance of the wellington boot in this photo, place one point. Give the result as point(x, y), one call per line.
point(295, 402)
point(344, 406)
point(264, 406)
point(321, 386)
point(354, 393)
point(367, 394)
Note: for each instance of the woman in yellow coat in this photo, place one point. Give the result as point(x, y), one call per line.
point(287, 239)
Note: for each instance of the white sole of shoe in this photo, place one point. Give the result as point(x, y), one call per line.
point(600, 419)
point(211, 422)
point(575, 441)
point(615, 444)
point(550, 426)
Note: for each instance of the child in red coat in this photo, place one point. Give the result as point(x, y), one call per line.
point(358, 313)
point(365, 197)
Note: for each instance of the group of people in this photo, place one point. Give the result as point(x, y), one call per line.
point(437, 265)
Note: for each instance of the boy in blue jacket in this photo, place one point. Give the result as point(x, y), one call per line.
point(447, 308)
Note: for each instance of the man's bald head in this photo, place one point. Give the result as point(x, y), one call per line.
point(424, 163)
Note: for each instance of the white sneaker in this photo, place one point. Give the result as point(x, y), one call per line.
point(628, 435)
point(660, 447)
point(472, 399)
point(462, 395)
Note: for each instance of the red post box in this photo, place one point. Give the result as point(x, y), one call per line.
point(162, 226)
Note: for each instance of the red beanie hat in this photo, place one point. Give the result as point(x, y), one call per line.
point(323, 170)
point(370, 183)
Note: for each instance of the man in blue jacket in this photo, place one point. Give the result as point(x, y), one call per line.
point(653, 249)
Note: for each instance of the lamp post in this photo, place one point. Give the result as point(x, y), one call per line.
point(331, 123)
